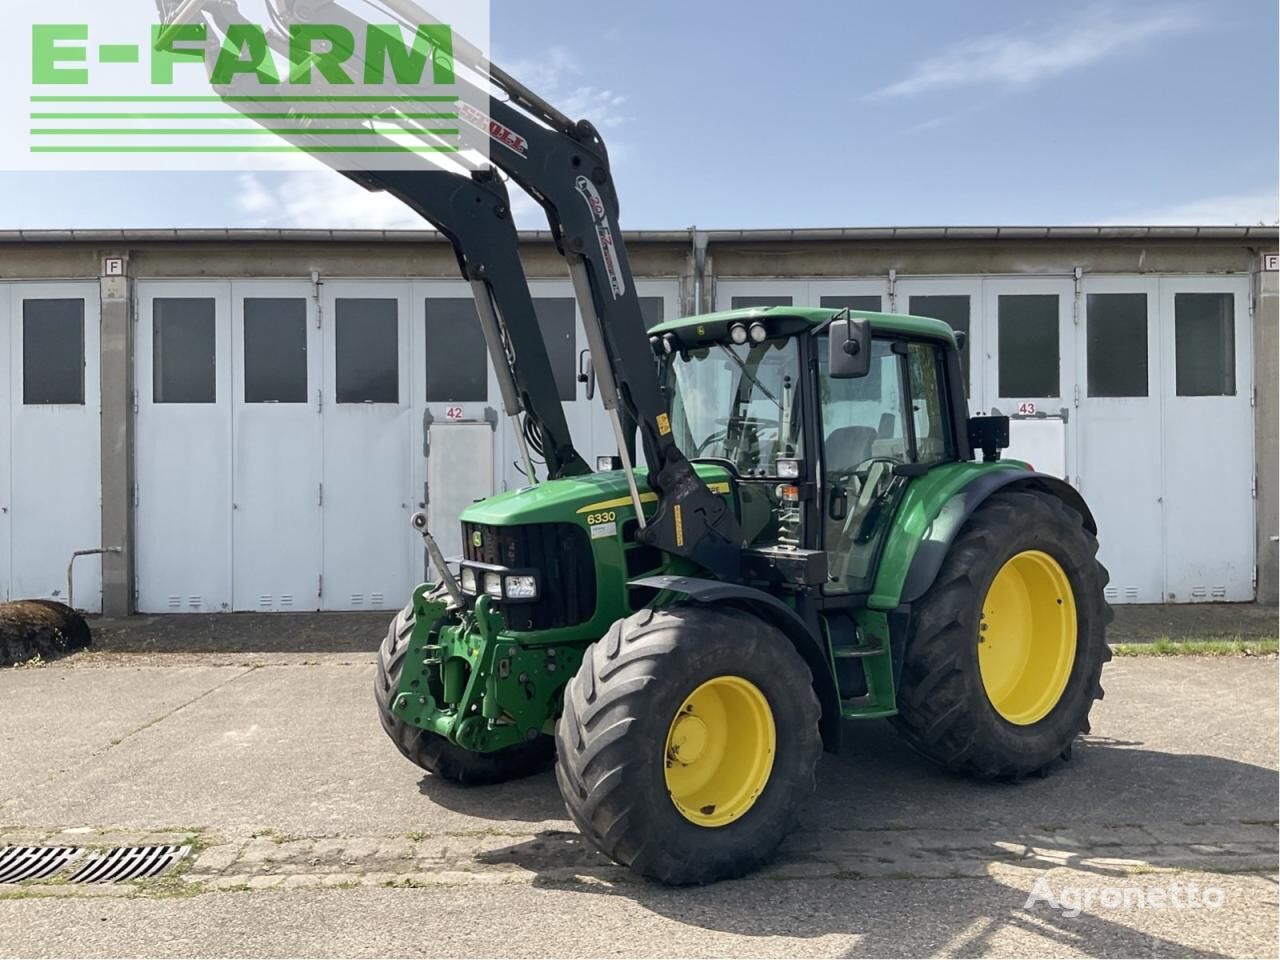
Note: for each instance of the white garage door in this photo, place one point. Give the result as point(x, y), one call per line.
point(277, 454)
point(6, 491)
point(1207, 431)
point(272, 447)
point(50, 422)
point(1121, 468)
point(182, 499)
point(369, 547)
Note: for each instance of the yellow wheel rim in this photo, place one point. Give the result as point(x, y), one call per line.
point(1027, 637)
point(719, 751)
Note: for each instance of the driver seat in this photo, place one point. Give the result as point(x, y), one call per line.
point(847, 447)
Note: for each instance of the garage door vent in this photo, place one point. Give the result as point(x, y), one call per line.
point(34, 863)
point(128, 863)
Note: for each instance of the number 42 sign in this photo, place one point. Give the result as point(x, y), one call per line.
point(453, 413)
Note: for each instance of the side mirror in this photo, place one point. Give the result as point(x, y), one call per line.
point(961, 338)
point(849, 348)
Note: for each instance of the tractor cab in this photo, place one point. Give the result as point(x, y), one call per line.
point(821, 454)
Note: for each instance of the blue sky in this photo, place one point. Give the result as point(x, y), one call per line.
point(742, 113)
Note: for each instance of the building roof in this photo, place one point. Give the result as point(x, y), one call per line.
point(238, 235)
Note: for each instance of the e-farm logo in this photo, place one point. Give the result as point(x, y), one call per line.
point(319, 56)
point(118, 84)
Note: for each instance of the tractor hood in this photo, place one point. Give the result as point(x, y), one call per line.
point(572, 499)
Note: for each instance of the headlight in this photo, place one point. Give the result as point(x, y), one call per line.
point(738, 333)
point(758, 333)
point(468, 580)
point(789, 469)
point(521, 587)
point(493, 584)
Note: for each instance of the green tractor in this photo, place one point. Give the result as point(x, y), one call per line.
point(884, 574)
point(811, 538)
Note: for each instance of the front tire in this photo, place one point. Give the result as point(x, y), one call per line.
point(688, 740)
point(1005, 653)
point(433, 752)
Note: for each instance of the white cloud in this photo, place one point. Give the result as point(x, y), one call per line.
point(325, 200)
point(1018, 59)
point(554, 75)
point(320, 200)
point(1239, 209)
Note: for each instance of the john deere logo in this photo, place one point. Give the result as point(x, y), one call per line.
point(476, 539)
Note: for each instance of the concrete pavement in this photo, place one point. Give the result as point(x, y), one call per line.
point(317, 838)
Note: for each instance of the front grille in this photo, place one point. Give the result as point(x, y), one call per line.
point(561, 555)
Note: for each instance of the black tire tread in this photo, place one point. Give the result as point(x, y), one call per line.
point(936, 715)
point(596, 766)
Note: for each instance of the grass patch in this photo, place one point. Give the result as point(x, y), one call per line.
point(1165, 647)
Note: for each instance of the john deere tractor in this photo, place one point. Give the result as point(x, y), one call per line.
point(812, 538)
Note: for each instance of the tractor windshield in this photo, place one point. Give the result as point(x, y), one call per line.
point(737, 402)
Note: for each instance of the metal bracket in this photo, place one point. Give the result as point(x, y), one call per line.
point(316, 284)
point(419, 521)
point(1077, 275)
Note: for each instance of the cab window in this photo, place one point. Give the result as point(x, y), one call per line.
point(928, 409)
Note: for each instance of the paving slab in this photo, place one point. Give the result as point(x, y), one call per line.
point(293, 750)
point(55, 718)
point(315, 837)
point(979, 916)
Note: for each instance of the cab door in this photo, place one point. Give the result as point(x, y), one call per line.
point(957, 302)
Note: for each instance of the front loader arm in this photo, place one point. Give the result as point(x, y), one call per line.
point(564, 165)
point(475, 214)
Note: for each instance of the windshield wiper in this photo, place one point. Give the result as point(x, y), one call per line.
point(749, 375)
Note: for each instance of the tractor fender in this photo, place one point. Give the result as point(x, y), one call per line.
point(772, 610)
point(956, 511)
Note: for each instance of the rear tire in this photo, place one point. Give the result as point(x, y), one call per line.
point(433, 752)
point(619, 739)
point(947, 710)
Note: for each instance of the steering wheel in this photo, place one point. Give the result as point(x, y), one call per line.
point(863, 470)
point(756, 422)
point(714, 438)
